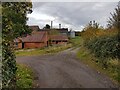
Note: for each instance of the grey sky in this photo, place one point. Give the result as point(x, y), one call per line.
point(73, 15)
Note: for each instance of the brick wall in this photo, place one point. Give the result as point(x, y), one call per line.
point(34, 45)
point(19, 45)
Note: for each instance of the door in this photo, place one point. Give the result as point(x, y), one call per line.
point(22, 45)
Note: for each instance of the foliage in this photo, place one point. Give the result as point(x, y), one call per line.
point(114, 20)
point(104, 47)
point(93, 24)
point(100, 41)
point(47, 26)
point(77, 41)
point(104, 43)
point(91, 33)
point(24, 77)
point(0, 45)
point(14, 25)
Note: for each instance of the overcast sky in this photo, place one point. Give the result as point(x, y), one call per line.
point(73, 15)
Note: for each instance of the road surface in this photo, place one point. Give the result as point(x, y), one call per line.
point(64, 70)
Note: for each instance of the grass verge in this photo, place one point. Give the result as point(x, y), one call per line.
point(39, 51)
point(77, 41)
point(88, 58)
point(24, 76)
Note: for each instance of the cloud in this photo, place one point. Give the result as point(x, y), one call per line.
point(40, 16)
point(73, 15)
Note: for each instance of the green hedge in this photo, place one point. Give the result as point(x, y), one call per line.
point(104, 47)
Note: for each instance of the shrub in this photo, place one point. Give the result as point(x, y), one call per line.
point(104, 47)
point(13, 25)
point(92, 33)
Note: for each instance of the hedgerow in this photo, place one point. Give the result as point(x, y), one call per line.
point(104, 47)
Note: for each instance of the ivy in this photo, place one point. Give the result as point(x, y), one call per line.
point(13, 26)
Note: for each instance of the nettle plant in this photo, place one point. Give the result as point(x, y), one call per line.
point(13, 26)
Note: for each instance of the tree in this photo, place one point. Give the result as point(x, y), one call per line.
point(13, 26)
point(114, 20)
point(95, 25)
point(92, 25)
point(47, 26)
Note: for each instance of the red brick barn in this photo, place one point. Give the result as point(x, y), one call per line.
point(36, 40)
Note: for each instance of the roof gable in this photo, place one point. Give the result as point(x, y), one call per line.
point(37, 37)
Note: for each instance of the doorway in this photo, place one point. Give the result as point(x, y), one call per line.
point(22, 45)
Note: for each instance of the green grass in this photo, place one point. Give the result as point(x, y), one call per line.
point(24, 77)
point(38, 51)
point(77, 41)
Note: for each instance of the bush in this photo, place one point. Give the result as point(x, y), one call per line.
point(104, 47)
point(13, 26)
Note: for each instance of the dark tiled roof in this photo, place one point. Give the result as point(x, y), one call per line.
point(37, 37)
point(59, 37)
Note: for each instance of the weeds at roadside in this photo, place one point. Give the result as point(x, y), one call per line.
point(24, 77)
